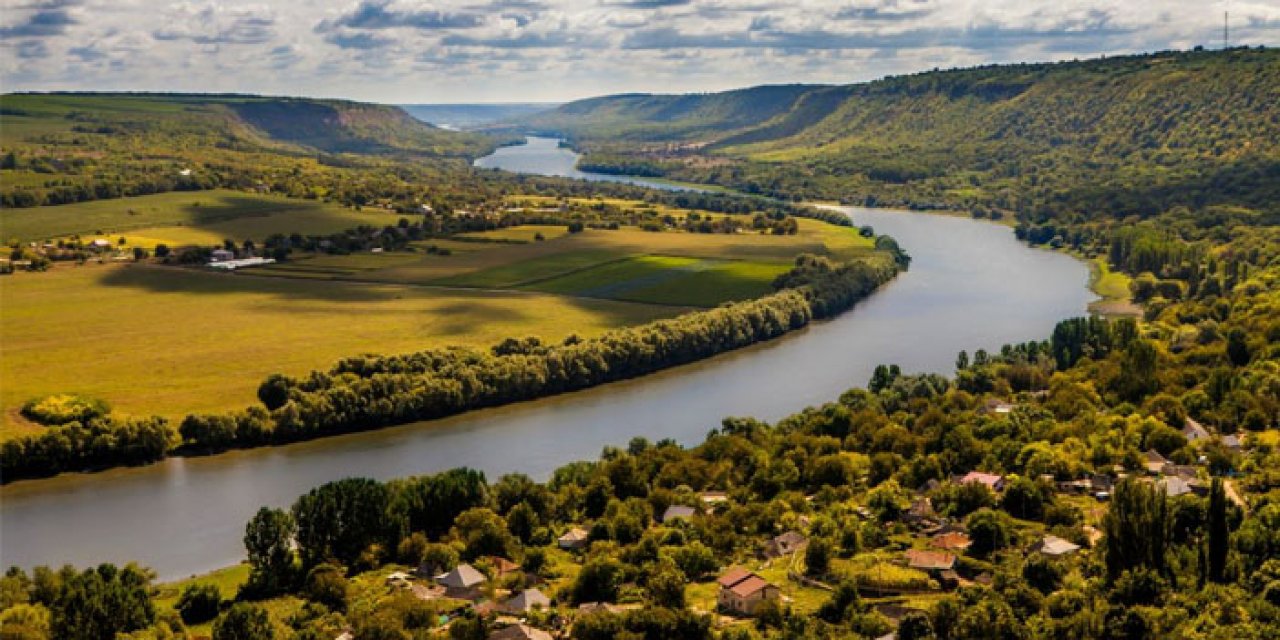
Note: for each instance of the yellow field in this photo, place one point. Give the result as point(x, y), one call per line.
point(169, 341)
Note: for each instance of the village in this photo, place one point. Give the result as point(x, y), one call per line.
point(925, 553)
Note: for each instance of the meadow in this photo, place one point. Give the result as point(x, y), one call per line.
point(164, 340)
point(167, 341)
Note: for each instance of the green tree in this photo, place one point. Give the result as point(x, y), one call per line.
point(665, 587)
point(327, 585)
point(817, 557)
point(338, 520)
point(1136, 529)
point(1218, 534)
point(199, 602)
point(916, 626)
point(1238, 347)
point(99, 603)
point(244, 621)
point(268, 539)
point(989, 531)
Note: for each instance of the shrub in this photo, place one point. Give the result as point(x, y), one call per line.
point(63, 408)
point(199, 603)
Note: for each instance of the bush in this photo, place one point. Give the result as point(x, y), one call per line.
point(64, 408)
point(199, 603)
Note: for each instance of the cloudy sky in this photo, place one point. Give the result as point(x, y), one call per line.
point(404, 51)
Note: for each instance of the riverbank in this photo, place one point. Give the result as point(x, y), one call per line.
point(970, 286)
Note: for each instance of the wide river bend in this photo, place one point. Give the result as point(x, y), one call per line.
point(971, 285)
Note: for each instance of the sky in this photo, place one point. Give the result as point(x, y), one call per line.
point(458, 51)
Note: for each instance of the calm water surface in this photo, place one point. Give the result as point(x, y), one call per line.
point(971, 285)
point(545, 157)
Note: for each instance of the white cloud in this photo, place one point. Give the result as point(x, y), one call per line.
point(461, 50)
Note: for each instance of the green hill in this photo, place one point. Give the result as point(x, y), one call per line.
point(663, 117)
point(71, 147)
point(1132, 135)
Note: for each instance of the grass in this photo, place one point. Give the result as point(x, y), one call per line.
point(185, 218)
point(166, 341)
point(521, 233)
point(612, 278)
point(228, 581)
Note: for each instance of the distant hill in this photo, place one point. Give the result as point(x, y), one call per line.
point(472, 116)
point(333, 126)
point(661, 117)
point(58, 148)
point(1130, 135)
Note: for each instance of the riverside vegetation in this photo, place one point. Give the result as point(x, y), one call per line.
point(1185, 397)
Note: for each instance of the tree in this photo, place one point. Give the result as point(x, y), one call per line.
point(1136, 529)
point(268, 539)
point(199, 603)
point(916, 626)
point(598, 581)
point(989, 531)
point(274, 391)
point(962, 363)
point(1238, 347)
point(1024, 498)
point(666, 587)
point(244, 621)
point(99, 603)
point(1218, 534)
point(327, 585)
point(483, 533)
point(162, 250)
point(338, 520)
point(817, 557)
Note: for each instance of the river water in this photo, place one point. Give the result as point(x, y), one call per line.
point(971, 285)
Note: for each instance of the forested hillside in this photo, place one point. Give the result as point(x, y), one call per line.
point(1114, 137)
point(60, 148)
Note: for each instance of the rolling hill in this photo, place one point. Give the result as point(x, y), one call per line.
point(1130, 135)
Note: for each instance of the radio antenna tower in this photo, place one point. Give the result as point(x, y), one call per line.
point(1226, 25)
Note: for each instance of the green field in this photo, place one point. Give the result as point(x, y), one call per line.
point(154, 339)
point(186, 218)
point(162, 340)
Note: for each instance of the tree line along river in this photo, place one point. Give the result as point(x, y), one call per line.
point(971, 285)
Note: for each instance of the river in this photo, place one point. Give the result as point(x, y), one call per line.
point(971, 285)
point(545, 156)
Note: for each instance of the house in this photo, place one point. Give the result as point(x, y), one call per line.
point(1153, 461)
point(713, 497)
point(462, 583)
point(218, 255)
point(527, 601)
point(999, 407)
point(920, 513)
point(1194, 431)
point(100, 243)
point(742, 591)
point(575, 538)
point(519, 632)
point(1233, 442)
point(1173, 486)
point(992, 481)
point(677, 512)
point(931, 562)
point(398, 579)
point(951, 541)
point(502, 566)
point(1080, 486)
point(1055, 546)
point(785, 544)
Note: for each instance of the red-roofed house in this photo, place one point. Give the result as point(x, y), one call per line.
point(742, 591)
